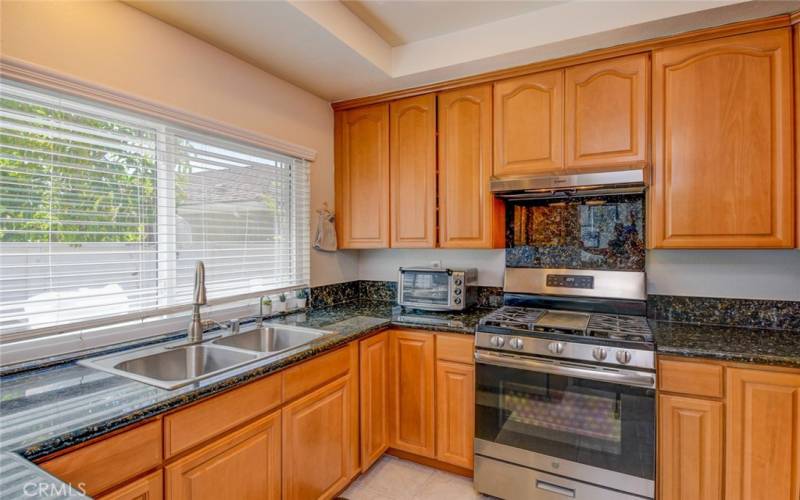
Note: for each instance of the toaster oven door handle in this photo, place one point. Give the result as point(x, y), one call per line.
point(615, 376)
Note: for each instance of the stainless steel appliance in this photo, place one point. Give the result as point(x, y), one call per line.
point(565, 381)
point(566, 186)
point(436, 288)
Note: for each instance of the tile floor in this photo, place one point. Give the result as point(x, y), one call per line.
point(392, 478)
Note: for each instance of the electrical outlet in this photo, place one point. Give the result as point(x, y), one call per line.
point(436, 263)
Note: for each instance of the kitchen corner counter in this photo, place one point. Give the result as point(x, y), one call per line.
point(728, 343)
point(50, 409)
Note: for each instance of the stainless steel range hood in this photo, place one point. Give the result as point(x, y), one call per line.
point(571, 185)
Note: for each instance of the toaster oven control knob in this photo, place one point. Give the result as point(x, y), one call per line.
point(624, 357)
point(599, 353)
point(555, 347)
point(457, 300)
point(516, 343)
point(458, 291)
point(497, 341)
point(457, 282)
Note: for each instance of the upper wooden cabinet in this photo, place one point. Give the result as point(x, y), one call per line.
point(606, 113)
point(528, 124)
point(469, 216)
point(722, 144)
point(413, 172)
point(362, 177)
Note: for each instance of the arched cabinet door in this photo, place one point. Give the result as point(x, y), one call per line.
point(528, 124)
point(722, 144)
point(362, 177)
point(606, 113)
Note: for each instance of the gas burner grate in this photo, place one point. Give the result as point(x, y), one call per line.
point(616, 327)
point(518, 318)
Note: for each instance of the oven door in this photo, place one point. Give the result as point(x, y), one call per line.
point(584, 422)
point(425, 289)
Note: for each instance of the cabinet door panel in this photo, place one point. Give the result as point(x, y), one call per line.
point(763, 435)
point(374, 380)
point(412, 395)
point(722, 118)
point(690, 448)
point(317, 442)
point(412, 169)
point(606, 113)
point(469, 216)
point(362, 177)
point(243, 464)
point(150, 487)
point(455, 413)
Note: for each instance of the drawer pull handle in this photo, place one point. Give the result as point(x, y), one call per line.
point(554, 488)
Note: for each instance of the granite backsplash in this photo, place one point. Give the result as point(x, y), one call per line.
point(384, 291)
point(749, 313)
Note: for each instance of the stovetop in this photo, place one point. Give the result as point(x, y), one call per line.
point(531, 320)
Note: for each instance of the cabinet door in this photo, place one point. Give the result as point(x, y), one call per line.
point(150, 487)
point(529, 124)
point(374, 381)
point(317, 438)
point(411, 392)
point(412, 169)
point(690, 448)
point(362, 177)
point(455, 413)
point(722, 144)
point(606, 113)
point(469, 216)
point(243, 464)
point(762, 435)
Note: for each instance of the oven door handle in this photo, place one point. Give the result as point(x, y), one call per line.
point(624, 377)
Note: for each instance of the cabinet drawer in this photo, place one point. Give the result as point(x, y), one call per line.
point(111, 461)
point(315, 373)
point(212, 417)
point(457, 348)
point(687, 377)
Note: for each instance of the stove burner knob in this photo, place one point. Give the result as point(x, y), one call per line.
point(497, 341)
point(555, 347)
point(624, 357)
point(516, 343)
point(599, 353)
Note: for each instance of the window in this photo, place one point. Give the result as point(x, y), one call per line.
point(103, 214)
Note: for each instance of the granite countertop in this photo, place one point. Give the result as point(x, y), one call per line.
point(728, 343)
point(50, 409)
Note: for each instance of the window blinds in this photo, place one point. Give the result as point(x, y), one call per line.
point(103, 215)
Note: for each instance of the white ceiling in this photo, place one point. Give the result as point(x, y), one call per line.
point(341, 50)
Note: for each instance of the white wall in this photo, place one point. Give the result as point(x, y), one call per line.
point(118, 47)
point(752, 274)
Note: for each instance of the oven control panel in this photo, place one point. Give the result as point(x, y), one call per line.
point(585, 282)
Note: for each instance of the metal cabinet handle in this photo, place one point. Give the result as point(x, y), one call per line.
point(554, 488)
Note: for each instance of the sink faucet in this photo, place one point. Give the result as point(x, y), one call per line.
point(195, 330)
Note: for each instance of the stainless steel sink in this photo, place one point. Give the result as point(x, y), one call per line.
point(271, 338)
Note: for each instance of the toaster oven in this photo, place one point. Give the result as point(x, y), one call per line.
point(437, 288)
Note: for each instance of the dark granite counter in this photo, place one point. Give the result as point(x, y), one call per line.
point(50, 409)
point(728, 343)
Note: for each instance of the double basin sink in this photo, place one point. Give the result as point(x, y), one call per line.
point(174, 365)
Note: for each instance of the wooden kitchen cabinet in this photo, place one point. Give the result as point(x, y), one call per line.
point(762, 446)
point(413, 172)
point(374, 382)
point(723, 173)
point(455, 412)
point(469, 216)
point(606, 113)
point(318, 438)
point(411, 390)
point(150, 487)
point(242, 464)
point(362, 177)
point(690, 448)
point(529, 124)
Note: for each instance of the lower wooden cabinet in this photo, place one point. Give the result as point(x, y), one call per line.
point(243, 464)
point(690, 448)
point(374, 390)
point(455, 412)
point(317, 442)
point(150, 487)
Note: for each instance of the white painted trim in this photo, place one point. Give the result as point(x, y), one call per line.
point(26, 72)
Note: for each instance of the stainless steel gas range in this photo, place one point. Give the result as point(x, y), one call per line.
point(565, 381)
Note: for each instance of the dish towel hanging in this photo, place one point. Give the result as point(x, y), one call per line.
point(325, 239)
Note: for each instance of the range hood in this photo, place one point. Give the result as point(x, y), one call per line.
point(570, 185)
